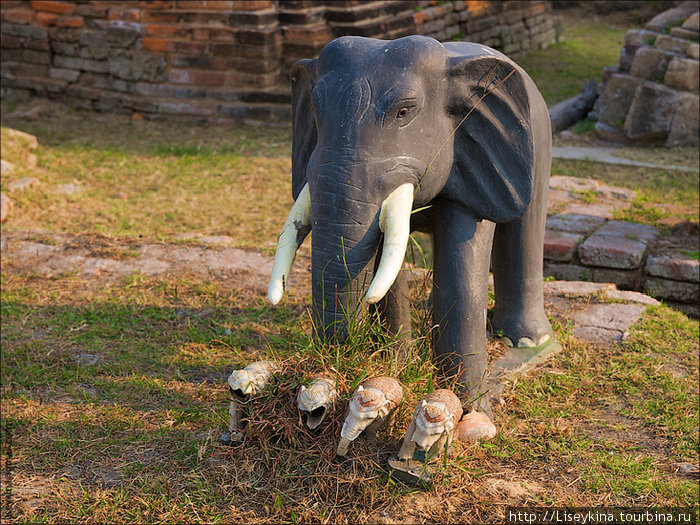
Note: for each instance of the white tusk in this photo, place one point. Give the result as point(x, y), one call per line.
point(288, 243)
point(395, 222)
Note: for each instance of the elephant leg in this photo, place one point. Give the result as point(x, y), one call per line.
point(460, 294)
point(394, 310)
point(517, 263)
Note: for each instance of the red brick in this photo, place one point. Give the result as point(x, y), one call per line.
point(204, 4)
point(157, 45)
point(205, 78)
point(46, 19)
point(157, 4)
point(200, 33)
point(560, 246)
point(251, 5)
point(318, 33)
point(162, 16)
point(128, 14)
point(12, 3)
point(19, 15)
point(160, 30)
point(260, 36)
point(70, 21)
point(51, 6)
point(191, 48)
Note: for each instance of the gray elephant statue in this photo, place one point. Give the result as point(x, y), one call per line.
point(412, 134)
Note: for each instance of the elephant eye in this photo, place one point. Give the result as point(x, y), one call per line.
point(403, 112)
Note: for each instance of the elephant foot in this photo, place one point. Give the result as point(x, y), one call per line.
point(474, 427)
point(523, 330)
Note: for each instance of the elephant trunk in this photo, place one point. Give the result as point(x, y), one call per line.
point(345, 242)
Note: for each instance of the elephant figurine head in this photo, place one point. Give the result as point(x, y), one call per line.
point(389, 136)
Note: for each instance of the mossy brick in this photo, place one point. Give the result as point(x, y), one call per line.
point(204, 78)
point(683, 74)
point(672, 290)
point(36, 45)
point(674, 266)
point(302, 17)
point(685, 127)
point(26, 31)
point(96, 52)
point(11, 42)
point(68, 75)
point(617, 98)
point(651, 112)
point(186, 108)
point(247, 111)
point(650, 63)
point(620, 245)
point(50, 6)
point(560, 246)
point(122, 36)
point(68, 49)
point(75, 90)
point(92, 10)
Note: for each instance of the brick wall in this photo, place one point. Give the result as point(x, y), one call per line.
point(220, 60)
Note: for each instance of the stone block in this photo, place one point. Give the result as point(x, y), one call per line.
point(693, 51)
point(560, 246)
point(617, 245)
point(689, 309)
point(650, 63)
point(576, 288)
point(602, 210)
point(651, 112)
point(566, 272)
point(640, 37)
point(632, 297)
point(672, 290)
point(683, 73)
point(681, 32)
point(672, 44)
point(139, 67)
point(611, 318)
point(574, 223)
point(625, 279)
point(667, 19)
point(685, 127)
point(617, 98)
point(674, 267)
point(692, 22)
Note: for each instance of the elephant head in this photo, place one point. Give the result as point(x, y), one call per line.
point(379, 130)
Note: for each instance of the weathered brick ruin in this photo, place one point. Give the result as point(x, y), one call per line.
point(652, 96)
point(221, 60)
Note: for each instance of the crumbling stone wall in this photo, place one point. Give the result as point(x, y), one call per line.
point(652, 95)
point(219, 60)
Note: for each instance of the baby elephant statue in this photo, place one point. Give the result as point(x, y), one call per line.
point(453, 139)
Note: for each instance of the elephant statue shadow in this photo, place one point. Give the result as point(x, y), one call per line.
point(453, 139)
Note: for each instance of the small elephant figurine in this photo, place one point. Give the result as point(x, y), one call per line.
point(449, 138)
point(432, 427)
point(316, 400)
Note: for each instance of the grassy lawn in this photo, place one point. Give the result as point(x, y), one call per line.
point(114, 391)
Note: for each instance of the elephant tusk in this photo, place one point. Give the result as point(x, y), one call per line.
point(294, 231)
point(395, 222)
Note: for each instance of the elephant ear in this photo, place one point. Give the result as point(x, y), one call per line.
point(493, 167)
point(303, 77)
